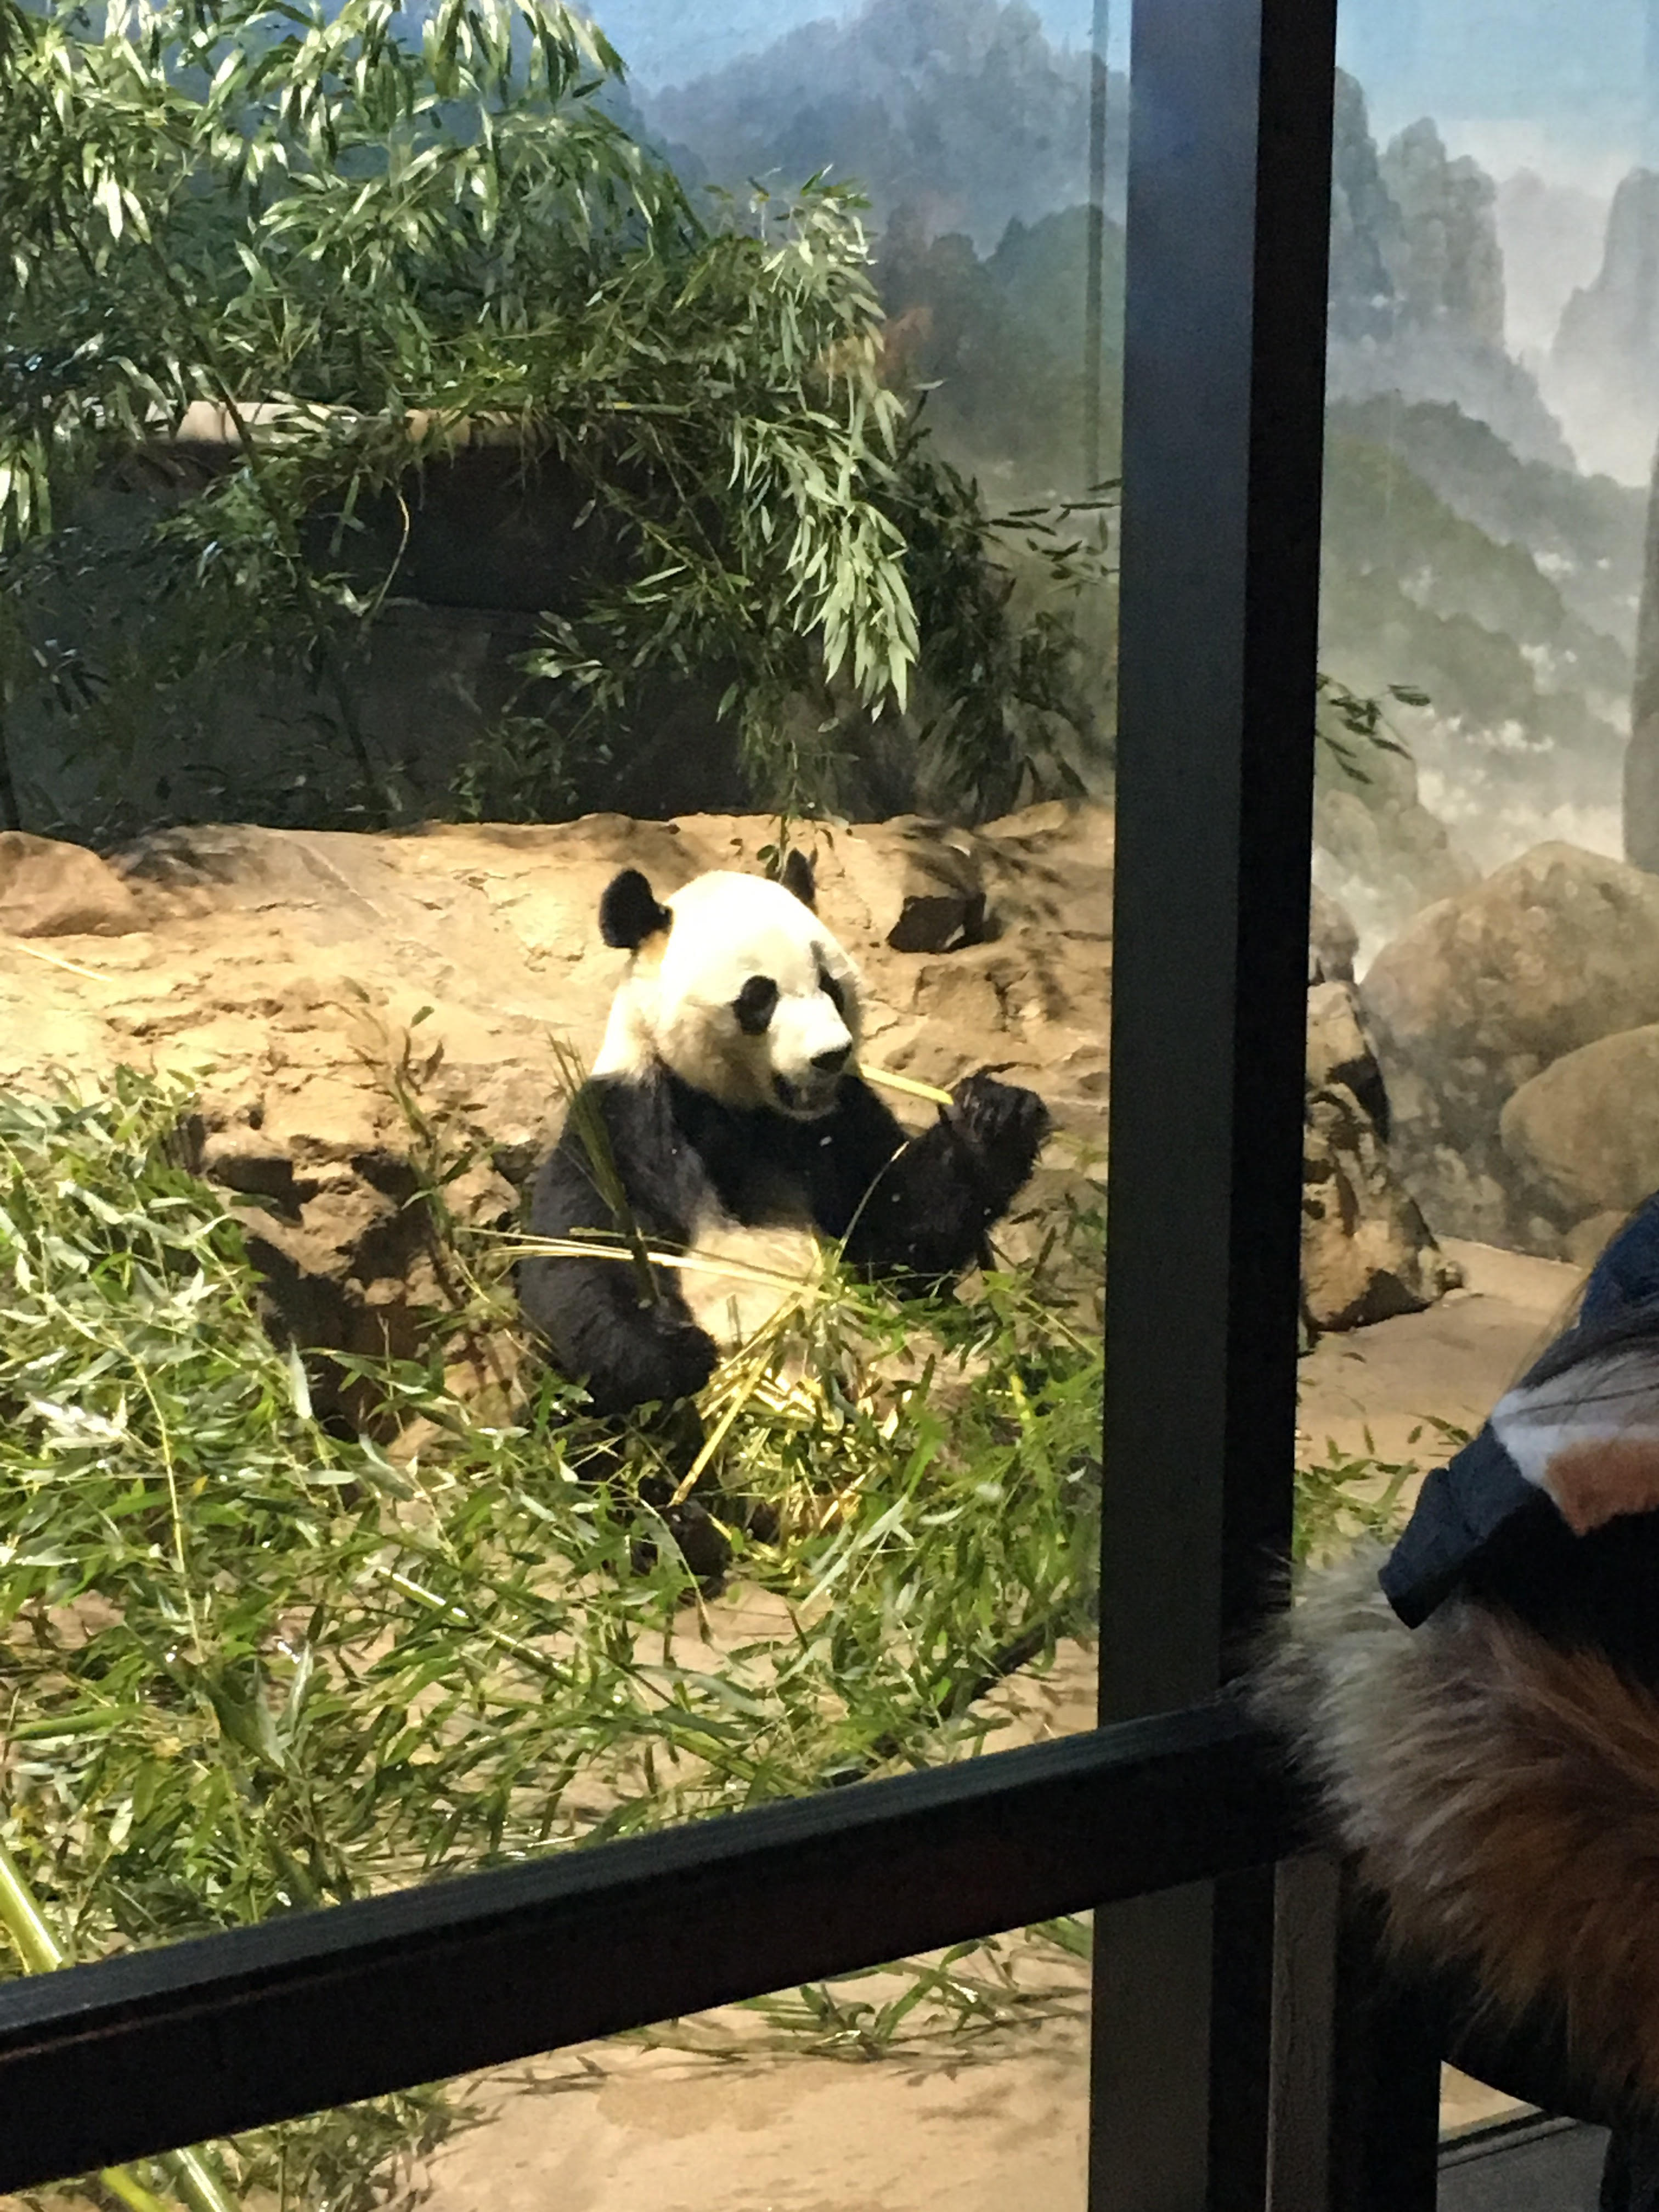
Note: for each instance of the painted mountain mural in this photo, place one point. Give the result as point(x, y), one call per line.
point(1468, 553)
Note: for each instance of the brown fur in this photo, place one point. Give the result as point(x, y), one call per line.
point(1501, 1795)
point(1597, 1481)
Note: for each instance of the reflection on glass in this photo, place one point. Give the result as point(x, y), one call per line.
point(1485, 809)
point(437, 476)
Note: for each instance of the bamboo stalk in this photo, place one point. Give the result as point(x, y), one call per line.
point(41, 1953)
point(751, 1378)
point(907, 1084)
point(52, 959)
point(122, 2182)
point(689, 1263)
point(912, 1087)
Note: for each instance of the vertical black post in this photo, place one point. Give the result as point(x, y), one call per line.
point(1384, 2122)
point(1094, 281)
point(1308, 1905)
point(1229, 221)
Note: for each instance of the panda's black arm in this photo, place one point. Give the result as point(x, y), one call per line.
point(917, 1209)
point(589, 1312)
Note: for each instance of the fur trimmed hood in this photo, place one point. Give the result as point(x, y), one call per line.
point(1479, 1709)
point(1500, 1794)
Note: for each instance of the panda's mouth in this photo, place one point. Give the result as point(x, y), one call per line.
point(806, 1101)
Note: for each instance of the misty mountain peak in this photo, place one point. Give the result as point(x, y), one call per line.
point(1448, 263)
point(963, 112)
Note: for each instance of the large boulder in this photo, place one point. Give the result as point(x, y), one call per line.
point(48, 889)
point(940, 890)
point(1341, 1055)
point(1481, 994)
point(1367, 1253)
point(1583, 1136)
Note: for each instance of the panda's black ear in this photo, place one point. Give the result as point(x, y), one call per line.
point(631, 912)
point(797, 878)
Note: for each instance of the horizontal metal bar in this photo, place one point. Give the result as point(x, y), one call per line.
point(105, 2063)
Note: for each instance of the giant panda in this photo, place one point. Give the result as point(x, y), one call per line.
point(1476, 1709)
point(730, 1103)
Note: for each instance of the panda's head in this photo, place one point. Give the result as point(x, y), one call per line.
point(736, 986)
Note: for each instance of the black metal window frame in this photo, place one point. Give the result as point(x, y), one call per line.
point(1241, 2056)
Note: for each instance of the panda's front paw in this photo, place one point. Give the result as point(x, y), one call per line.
point(659, 1359)
point(685, 1356)
point(1003, 1123)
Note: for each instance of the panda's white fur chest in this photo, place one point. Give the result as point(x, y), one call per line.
point(742, 1277)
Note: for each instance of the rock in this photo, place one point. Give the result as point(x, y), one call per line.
point(1377, 848)
point(1382, 850)
point(1584, 1134)
point(52, 890)
point(941, 894)
point(1602, 357)
point(1332, 940)
point(1367, 1253)
point(1340, 1053)
point(1448, 265)
point(244, 1159)
point(1417, 283)
point(1481, 994)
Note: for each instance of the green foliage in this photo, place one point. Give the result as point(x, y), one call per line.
point(970, 1994)
point(1383, 515)
point(999, 342)
point(1351, 729)
point(358, 250)
point(1343, 1496)
point(1016, 613)
point(253, 1665)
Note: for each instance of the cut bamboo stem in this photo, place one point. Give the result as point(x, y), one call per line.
point(907, 1084)
point(52, 960)
point(41, 1953)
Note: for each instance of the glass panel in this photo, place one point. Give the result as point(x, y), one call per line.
point(858, 2092)
point(1483, 809)
point(391, 564)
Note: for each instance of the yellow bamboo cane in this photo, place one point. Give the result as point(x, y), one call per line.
point(41, 1953)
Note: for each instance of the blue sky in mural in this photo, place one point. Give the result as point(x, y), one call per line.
point(1576, 69)
point(1560, 82)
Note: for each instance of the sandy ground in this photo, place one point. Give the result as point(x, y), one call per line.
point(617, 2128)
point(660, 2134)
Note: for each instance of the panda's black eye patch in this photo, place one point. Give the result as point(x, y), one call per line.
point(756, 1003)
point(832, 991)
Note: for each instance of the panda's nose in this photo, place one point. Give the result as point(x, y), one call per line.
point(832, 1062)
